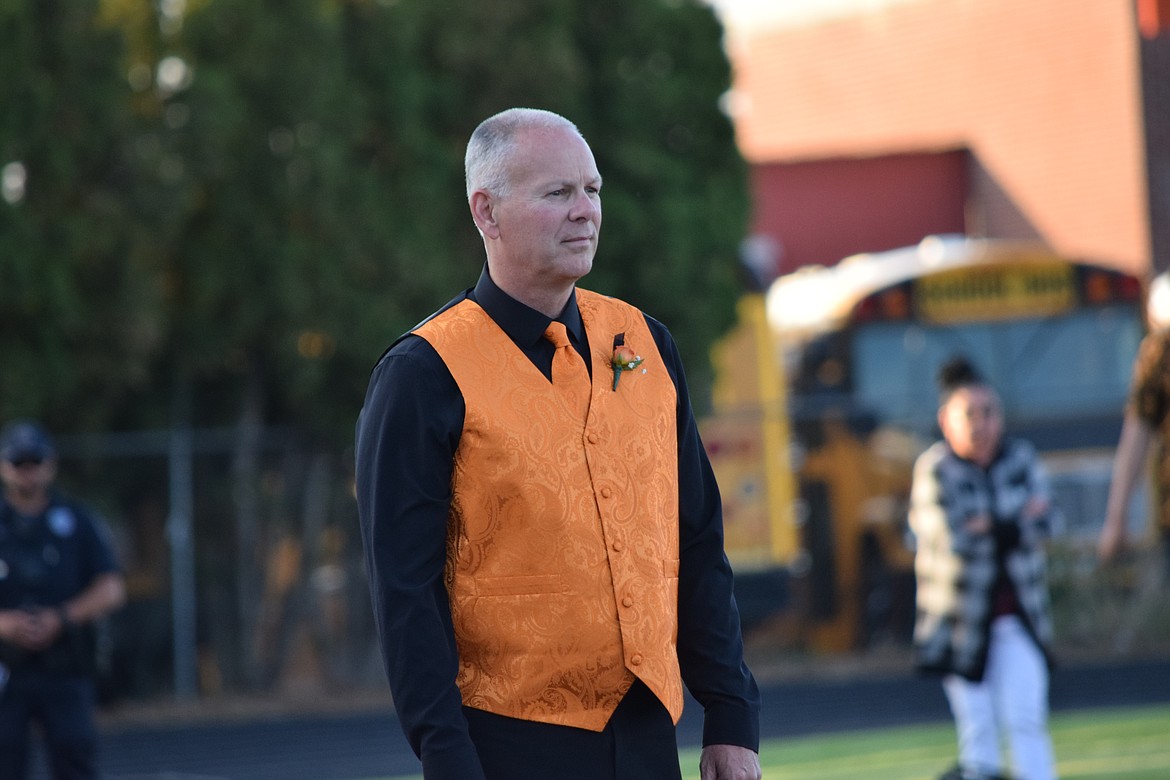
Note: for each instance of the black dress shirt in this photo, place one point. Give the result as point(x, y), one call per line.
point(407, 435)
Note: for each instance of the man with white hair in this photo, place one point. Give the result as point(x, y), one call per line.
point(542, 529)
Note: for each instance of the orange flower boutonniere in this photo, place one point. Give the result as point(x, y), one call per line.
point(624, 358)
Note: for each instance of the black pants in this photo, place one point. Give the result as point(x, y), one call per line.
point(63, 707)
point(638, 744)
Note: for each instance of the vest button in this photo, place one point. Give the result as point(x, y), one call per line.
point(627, 601)
point(636, 659)
point(594, 438)
point(618, 545)
point(606, 492)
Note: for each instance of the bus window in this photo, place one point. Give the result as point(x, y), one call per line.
point(1048, 368)
point(1070, 365)
point(894, 366)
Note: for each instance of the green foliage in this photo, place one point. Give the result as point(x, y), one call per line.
point(253, 161)
point(80, 310)
point(284, 195)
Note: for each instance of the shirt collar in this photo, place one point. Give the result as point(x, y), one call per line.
point(523, 324)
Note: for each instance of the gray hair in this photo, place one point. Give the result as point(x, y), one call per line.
point(493, 142)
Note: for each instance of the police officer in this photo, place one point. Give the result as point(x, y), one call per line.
point(57, 576)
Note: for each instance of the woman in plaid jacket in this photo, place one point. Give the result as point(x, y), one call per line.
point(980, 513)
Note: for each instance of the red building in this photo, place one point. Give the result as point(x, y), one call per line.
point(1047, 120)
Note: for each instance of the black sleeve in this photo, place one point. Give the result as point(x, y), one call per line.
point(406, 438)
point(710, 644)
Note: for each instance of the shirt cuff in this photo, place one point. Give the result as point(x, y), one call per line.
point(732, 723)
point(460, 763)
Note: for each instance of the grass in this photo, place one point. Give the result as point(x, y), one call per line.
point(1131, 743)
point(1114, 744)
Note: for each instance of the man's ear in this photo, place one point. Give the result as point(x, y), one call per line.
point(483, 211)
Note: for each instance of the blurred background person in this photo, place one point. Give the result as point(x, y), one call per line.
point(1146, 420)
point(57, 576)
point(980, 514)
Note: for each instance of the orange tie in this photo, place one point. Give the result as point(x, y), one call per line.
point(570, 376)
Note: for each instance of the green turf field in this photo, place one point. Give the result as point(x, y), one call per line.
point(1115, 744)
point(1111, 744)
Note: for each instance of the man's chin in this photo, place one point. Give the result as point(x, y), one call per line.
point(577, 265)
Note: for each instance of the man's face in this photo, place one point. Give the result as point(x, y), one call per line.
point(28, 477)
point(972, 423)
point(549, 220)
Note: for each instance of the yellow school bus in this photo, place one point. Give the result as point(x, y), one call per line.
point(826, 394)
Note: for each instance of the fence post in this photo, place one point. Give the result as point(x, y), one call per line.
point(179, 534)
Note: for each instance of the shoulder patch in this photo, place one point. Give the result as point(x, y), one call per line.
point(61, 521)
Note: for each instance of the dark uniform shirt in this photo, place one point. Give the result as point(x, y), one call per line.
point(45, 561)
point(407, 436)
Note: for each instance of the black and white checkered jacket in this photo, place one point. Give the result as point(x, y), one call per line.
point(957, 570)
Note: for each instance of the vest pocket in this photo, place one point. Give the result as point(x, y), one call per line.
point(522, 585)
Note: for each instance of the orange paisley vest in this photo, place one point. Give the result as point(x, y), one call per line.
point(562, 541)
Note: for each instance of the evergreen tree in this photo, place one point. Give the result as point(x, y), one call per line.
point(80, 306)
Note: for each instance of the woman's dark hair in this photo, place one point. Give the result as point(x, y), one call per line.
point(955, 374)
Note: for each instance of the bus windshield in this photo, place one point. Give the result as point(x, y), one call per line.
point(1046, 369)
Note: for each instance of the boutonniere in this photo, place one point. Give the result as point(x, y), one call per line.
point(624, 358)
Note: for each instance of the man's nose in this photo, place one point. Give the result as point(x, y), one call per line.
point(584, 206)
